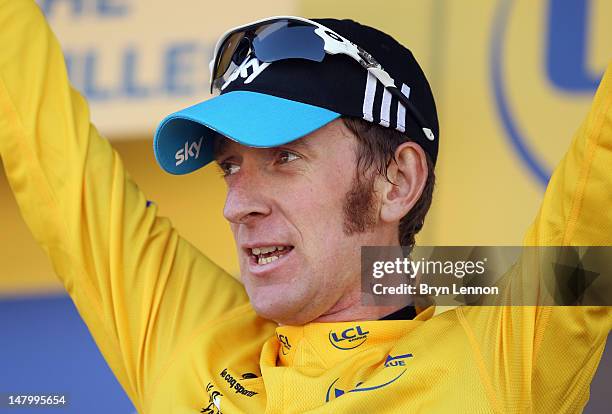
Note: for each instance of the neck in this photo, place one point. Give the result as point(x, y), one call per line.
point(351, 308)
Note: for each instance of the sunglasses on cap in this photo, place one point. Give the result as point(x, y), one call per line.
point(279, 38)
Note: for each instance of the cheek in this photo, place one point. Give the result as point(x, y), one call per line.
point(320, 206)
point(318, 215)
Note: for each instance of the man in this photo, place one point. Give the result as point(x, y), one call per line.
point(307, 164)
point(306, 188)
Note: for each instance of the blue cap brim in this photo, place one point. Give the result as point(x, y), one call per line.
point(183, 141)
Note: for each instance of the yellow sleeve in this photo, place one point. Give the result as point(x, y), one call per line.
point(141, 289)
point(576, 208)
point(541, 359)
point(576, 211)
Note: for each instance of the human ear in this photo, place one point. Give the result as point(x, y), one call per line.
point(408, 175)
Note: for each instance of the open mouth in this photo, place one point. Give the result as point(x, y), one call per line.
point(268, 254)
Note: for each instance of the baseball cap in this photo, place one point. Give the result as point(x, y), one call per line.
point(267, 104)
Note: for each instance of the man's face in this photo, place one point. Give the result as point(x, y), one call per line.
point(289, 208)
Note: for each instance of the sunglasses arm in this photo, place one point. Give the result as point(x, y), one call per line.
point(412, 111)
point(211, 69)
point(383, 77)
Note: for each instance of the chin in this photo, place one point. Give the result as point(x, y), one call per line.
point(281, 308)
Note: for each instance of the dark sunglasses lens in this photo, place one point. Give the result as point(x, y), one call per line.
point(242, 51)
point(281, 39)
point(226, 54)
point(287, 40)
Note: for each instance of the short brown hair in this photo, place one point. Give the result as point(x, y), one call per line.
point(376, 148)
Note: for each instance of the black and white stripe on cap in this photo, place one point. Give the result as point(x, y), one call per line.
point(380, 110)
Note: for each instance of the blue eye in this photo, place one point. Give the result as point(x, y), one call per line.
point(229, 169)
point(285, 157)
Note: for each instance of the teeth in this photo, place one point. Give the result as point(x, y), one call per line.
point(263, 250)
point(266, 260)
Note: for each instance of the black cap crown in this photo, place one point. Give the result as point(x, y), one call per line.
point(342, 85)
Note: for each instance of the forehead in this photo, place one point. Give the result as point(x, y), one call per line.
point(223, 145)
point(325, 139)
point(220, 145)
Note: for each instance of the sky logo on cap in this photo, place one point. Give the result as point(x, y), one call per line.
point(242, 71)
point(189, 151)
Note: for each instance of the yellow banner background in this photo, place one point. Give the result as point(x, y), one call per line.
point(500, 83)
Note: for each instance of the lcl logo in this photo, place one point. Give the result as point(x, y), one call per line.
point(350, 338)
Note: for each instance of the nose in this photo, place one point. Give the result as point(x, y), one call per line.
point(245, 201)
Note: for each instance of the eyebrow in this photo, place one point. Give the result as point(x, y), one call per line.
point(221, 143)
point(300, 143)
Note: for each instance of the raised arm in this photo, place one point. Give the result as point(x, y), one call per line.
point(576, 211)
point(140, 288)
point(577, 205)
point(542, 359)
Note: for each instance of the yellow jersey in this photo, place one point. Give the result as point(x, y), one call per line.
point(178, 331)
